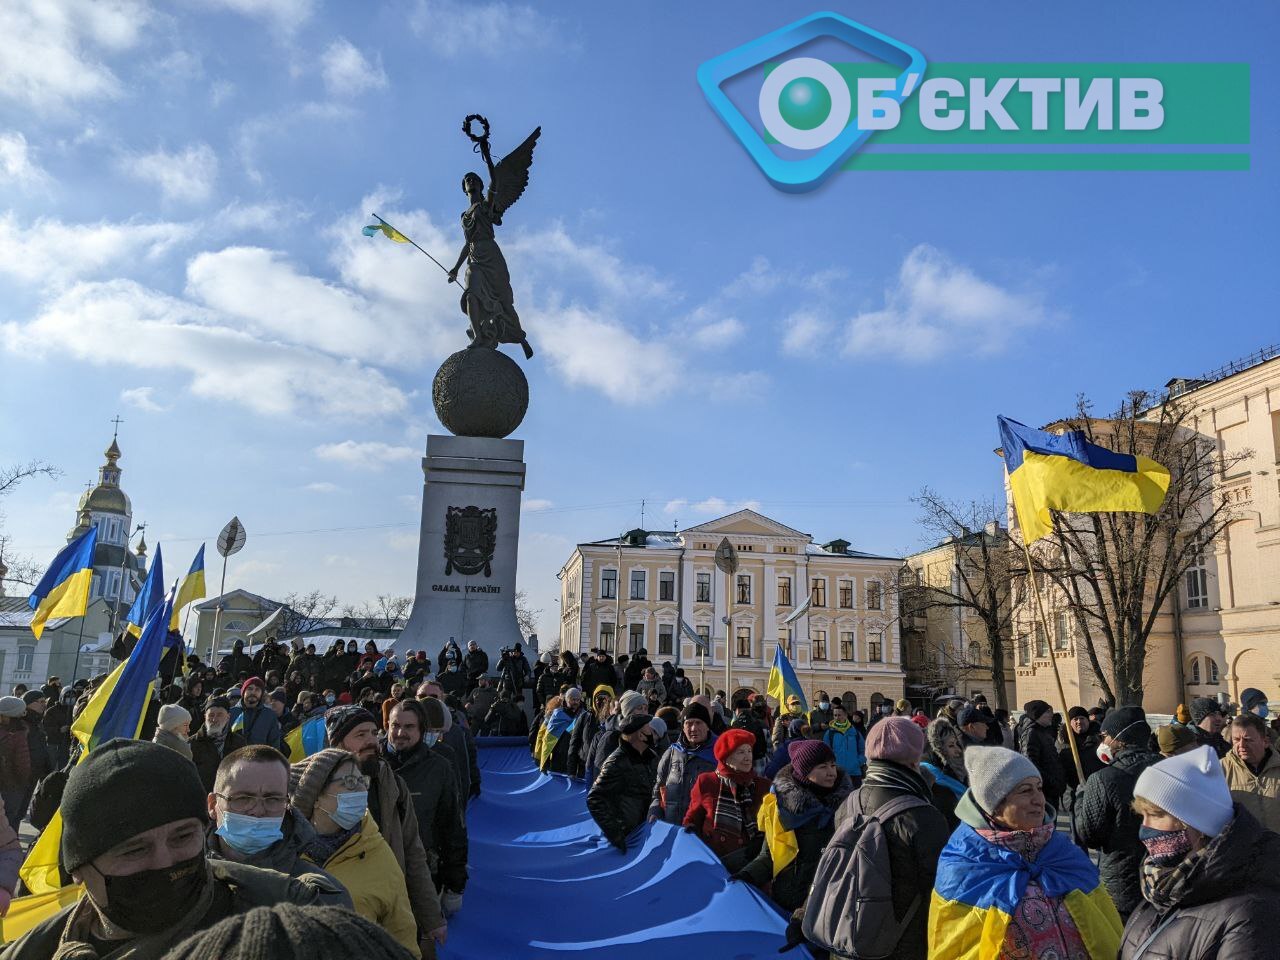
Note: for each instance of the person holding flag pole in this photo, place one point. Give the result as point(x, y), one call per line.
point(1066, 472)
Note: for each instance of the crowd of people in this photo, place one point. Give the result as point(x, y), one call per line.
point(995, 841)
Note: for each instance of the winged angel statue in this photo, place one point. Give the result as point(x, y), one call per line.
point(487, 300)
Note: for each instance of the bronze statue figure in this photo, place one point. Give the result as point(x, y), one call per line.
point(487, 299)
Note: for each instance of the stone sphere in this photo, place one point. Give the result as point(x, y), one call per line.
point(480, 392)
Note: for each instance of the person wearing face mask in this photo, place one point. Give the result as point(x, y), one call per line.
point(619, 799)
point(434, 789)
point(250, 820)
point(820, 716)
point(214, 740)
point(459, 739)
point(139, 851)
point(1203, 895)
point(330, 791)
point(1102, 815)
point(390, 801)
point(1009, 885)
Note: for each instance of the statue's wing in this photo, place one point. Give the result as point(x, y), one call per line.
point(511, 175)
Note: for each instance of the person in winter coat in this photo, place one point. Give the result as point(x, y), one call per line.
point(475, 664)
point(551, 749)
point(1253, 770)
point(607, 737)
point(505, 718)
point(797, 729)
point(1207, 722)
point(37, 746)
point(691, 755)
point(451, 678)
point(783, 722)
point(1203, 894)
point(846, 743)
point(584, 730)
point(1103, 818)
point(333, 795)
point(724, 803)
point(633, 673)
point(1088, 736)
point(652, 688)
point(237, 662)
point(11, 857)
point(256, 720)
point(681, 689)
point(598, 671)
point(57, 723)
point(1034, 739)
point(173, 729)
point(797, 819)
point(944, 761)
point(619, 799)
point(15, 759)
point(214, 740)
point(459, 739)
point(1008, 884)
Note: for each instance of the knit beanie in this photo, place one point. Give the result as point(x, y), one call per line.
point(252, 682)
point(631, 702)
point(435, 712)
point(633, 722)
point(994, 772)
point(658, 726)
point(12, 707)
point(920, 720)
point(339, 721)
point(807, 754)
point(1035, 709)
point(216, 701)
point(280, 695)
point(101, 807)
point(288, 932)
point(1250, 697)
point(34, 696)
point(731, 740)
point(1192, 787)
point(602, 688)
point(1127, 724)
point(1173, 738)
point(896, 739)
point(172, 716)
point(307, 778)
point(696, 711)
point(1079, 712)
point(1201, 707)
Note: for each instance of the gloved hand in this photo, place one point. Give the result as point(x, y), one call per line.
point(450, 902)
point(620, 843)
point(795, 935)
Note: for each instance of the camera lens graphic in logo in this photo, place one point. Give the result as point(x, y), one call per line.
point(804, 103)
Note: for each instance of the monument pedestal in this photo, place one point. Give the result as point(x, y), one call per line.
point(467, 548)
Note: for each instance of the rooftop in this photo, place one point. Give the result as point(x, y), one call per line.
point(1180, 385)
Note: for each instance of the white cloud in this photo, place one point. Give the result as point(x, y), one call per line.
point(365, 454)
point(480, 29)
point(347, 73)
point(17, 165)
point(758, 279)
point(142, 398)
point(675, 506)
point(402, 541)
point(187, 176)
point(288, 15)
point(553, 252)
point(535, 505)
point(50, 49)
point(50, 253)
point(322, 486)
point(282, 124)
point(805, 333)
point(719, 507)
point(121, 322)
point(937, 305)
point(598, 352)
point(717, 334)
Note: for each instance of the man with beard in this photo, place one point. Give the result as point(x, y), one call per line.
point(458, 738)
point(435, 798)
point(214, 740)
point(133, 820)
point(355, 730)
point(257, 721)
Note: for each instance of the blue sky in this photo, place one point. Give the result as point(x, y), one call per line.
point(184, 184)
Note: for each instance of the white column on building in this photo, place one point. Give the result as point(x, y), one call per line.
point(688, 590)
point(768, 600)
point(720, 585)
point(801, 628)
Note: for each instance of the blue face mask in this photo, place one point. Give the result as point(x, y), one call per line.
point(350, 809)
point(1261, 711)
point(329, 699)
point(250, 835)
point(431, 737)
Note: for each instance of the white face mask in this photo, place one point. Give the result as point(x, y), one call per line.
point(1104, 753)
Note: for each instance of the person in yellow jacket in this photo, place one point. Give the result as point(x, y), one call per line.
point(331, 792)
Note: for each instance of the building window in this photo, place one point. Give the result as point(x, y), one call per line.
point(744, 641)
point(846, 645)
point(1060, 631)
point(637, 584)
point(666, 586)
point(26, 658)
point(1195, 671)
point(607, 636)
point(744, 588)
point(1196, 581)
point(819, 644)
point(819, 592)
point(975, 653)
point(637, 637)
point(666, 639)
point(704, 588)
point(95, 587)
point(609, 585)
point(1042, 644)
point(846, 594)
point(1024, 651)
point(784, 591)
point(705, 633)
point(1212, 664)
point(875, 647)
point(113, 583)
point(873, 594)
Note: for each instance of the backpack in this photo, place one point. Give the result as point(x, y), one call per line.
point(850, 907)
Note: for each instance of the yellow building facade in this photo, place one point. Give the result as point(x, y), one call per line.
point(634, 591)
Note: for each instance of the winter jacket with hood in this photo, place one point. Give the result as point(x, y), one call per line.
point(603, 743)
point(849, 748)
point(1258, 793)
point(580, 737)
point(797, 820)
point(289, 855)
point(391, 805)
point(596, 673)
point(678, 768)
point(366, 866)
point(1104, 820)
point(1035, 742)
point(441, 827)
point(1228, 908)
point(619, 799)
point(653, 689)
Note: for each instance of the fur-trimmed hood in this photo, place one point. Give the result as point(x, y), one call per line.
point(800, 803)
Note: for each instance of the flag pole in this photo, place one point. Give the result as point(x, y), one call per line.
point(728, 637)
point(420, 250)
point(217, 613)
point(79, 643)
point(1053, 661)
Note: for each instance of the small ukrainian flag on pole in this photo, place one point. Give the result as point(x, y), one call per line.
point(63, 591)
point(783, 682)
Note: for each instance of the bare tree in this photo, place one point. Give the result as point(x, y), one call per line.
point(1117, 570)
point(981, 579)
point(305, 611)
point(526, 616)
point(21, 570)
point(387, 609)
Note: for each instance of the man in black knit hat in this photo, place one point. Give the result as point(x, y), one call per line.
point(133, 821)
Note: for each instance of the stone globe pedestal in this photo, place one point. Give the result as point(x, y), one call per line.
point(480, 392)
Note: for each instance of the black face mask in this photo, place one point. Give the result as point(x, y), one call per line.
point(154, 900)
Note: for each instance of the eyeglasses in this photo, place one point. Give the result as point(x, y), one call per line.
point(245, 803)
point(352, 781)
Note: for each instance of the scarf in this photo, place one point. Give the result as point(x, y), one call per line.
point(1165, 885)
point(840, 726)
point(325, 847)
point(736, 797)
point(886, 773)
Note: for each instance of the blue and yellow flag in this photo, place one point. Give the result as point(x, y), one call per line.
point(149, 597)
point(191, 588)
point(116, 709)
point(1065, 471)
point(556, 726)
point(386, 229)
point(783, 682)
point(63, 591)
point(305, 739)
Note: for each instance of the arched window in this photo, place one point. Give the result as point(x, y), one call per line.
point(1195, 671)
point(1212, 666)
point(850, 701)
point(975, 652)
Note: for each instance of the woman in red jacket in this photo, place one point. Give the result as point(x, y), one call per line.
point(723, 804)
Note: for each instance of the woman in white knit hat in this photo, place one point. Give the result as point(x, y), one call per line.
point(173, 727)
point(1209, 884)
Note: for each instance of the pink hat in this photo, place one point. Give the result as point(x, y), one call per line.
point(896, 739)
